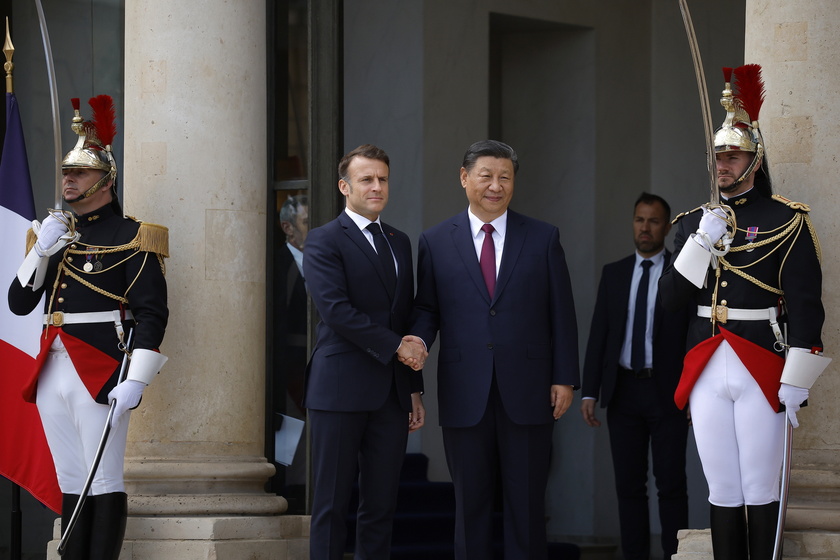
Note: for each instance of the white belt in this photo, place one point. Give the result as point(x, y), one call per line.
point(768, 314)
point(59, 318)
point(724, 314)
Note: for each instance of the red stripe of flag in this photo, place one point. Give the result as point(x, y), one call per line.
point(25, 458)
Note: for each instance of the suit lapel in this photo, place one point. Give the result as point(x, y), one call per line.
point(621, 284)
point(356, 236)
point(463, 240)
point(515, 235)
point(403, 257)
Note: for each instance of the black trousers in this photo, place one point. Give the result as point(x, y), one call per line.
point(639, 422)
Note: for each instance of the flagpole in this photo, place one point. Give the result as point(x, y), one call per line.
point(16, 513)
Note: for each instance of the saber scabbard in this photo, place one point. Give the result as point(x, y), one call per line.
point(62, 544)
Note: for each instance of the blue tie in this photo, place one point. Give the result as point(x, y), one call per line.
point(637, 355)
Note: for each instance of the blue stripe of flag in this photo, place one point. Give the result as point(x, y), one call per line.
point(15, 184)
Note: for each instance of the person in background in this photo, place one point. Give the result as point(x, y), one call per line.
point(633, 363)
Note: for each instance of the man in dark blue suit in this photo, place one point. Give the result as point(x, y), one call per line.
point(496, 286)
point(634, 360)
point(362, 400)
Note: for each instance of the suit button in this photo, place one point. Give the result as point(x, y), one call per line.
point(69, 259)
point(492, 312)
point(723, 302)
point(490, 346)
point(61, 300)
point(63, 285)
point(724, 284)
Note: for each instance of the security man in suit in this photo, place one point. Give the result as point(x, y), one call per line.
point(495, 284)
point(362, 399)
point(749, 269)
point(633, 363)
point(290, 340)
point(102, 274)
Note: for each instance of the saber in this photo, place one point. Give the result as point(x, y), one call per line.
point(62, 544)
point(783, 492)
point(704, 102)
point(45, 36)
point(784, 486)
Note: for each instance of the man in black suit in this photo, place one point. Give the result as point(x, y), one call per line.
point(634, 361)
point(495, 285)
point(362, 397)
point(290, 354)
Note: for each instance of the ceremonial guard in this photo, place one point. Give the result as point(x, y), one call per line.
point(101, 276)
point(751, 265)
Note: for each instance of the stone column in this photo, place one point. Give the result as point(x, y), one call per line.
point(797, 44)
point(195, 161)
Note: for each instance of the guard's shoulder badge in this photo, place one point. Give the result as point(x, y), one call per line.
point(153, 238)
point(798, 206)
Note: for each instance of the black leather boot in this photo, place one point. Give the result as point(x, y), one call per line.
point(109, 517)
point(729, 533)
point(761, 521)
point(76, 547)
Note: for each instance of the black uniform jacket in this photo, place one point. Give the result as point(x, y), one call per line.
point(132, 273)
point(790, 263)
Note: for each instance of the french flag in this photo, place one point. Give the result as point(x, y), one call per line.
point(25, 458)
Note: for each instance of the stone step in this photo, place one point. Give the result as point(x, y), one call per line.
point(799, 545)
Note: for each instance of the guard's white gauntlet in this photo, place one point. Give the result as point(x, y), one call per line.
point(802, 368)
point(53, 235)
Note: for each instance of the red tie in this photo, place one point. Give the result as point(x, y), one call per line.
point(487, 261)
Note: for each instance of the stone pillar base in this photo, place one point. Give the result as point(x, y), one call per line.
point(281, 537)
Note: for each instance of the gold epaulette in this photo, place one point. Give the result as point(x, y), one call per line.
point(798, 206)
point(153, 238)
point(31, 238)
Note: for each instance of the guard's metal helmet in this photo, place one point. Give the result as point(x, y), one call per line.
point(93, 148)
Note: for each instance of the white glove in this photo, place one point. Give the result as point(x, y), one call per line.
point(52, 236)
point(713, 223)
point(792, 397)
point(128, 395)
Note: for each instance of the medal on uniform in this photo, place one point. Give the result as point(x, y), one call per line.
point(97, 266)
point(88, 266)
point(752, 233)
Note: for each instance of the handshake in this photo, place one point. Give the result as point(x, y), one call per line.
point(412, 352)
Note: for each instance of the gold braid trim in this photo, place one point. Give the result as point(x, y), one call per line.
point(96, 289)
point(31, 238)
point(814, 238)
point(791, 231)
point(150, 238)
point(756, 281)
point(794, 222)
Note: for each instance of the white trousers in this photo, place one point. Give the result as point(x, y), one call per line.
point(740, 439)
point(73, 423)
